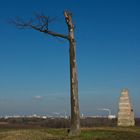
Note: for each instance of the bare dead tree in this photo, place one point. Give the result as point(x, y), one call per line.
point(41, 24)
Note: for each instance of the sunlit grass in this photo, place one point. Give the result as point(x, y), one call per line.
point(61, 134)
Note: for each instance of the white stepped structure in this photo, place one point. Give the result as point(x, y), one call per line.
point(125, 113)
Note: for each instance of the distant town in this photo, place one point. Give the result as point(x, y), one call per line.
point(56, 115)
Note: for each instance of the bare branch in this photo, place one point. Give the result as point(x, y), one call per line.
point(39, 23)
point(20, 23)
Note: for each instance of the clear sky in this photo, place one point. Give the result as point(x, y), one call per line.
point(34, 67)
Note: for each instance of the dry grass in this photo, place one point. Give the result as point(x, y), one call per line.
point(25, 135)
point(100, 133)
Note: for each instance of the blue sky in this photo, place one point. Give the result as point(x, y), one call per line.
point(34, 67)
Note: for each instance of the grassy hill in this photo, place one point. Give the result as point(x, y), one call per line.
point(99, 133)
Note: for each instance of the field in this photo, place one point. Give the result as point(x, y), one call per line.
point(97, 133)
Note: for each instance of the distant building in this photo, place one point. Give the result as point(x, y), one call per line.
point(111, 116)
point(125, 113)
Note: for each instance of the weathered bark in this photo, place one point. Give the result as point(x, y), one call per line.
point(75, 114)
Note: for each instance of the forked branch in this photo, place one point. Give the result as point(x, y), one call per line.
point(39, 23)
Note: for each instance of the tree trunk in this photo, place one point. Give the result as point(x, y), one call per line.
point(75, 114)
point(43, 27)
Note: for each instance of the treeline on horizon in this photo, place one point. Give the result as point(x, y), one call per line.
point(58, 122)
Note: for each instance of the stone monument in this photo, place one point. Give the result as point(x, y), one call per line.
point(125, 113)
